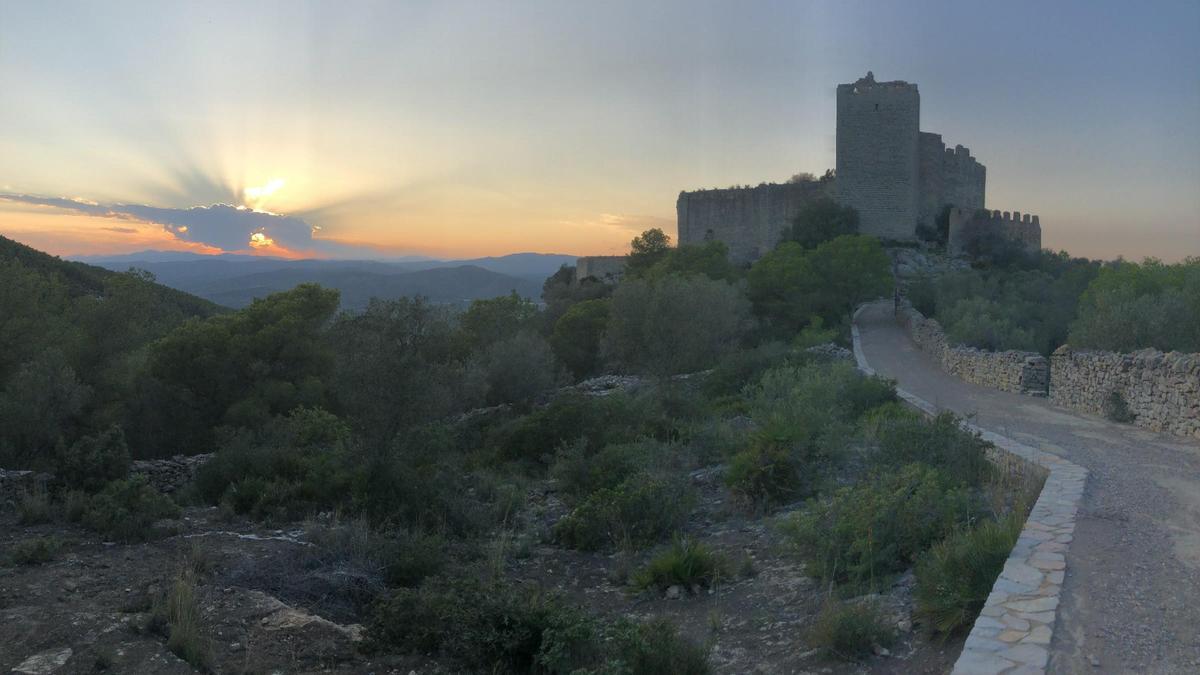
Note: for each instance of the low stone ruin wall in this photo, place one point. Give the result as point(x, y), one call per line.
point(170, 474)
point(1161, 391)
point(1019, 372)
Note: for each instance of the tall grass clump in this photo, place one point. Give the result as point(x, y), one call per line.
point(850, 631)
point(686, 563)
point(178, 614)
point(956, 575)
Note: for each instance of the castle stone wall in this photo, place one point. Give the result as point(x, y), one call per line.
point(1018, 372)
point(948, 176)
point(603, 267)
point(877, 155)
point(966, 225)
point(750, 221)
point(1161, 390)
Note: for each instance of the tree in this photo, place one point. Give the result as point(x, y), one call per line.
point(92, 461)
point(577, 335)
point(1130, 306)
point(397, 367)
point(561, 291)
point(488, 321)
point(674, 325)
point(820, 220)
point(264, 360)
point(41, 404)
point(646, 250)
point(779, 284)
point(790, 285)
point(710, 259)
point(518, 369)
point(854, 268)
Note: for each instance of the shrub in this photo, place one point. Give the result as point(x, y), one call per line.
point(34, 551)
point(126, 510)
point(489, 627)
point(654, 647)
point(1116, 409)
point(643, 509)
point(766, 472)
point(581, 473)
point(674, 324)
point(518, 369)
point(93, 461)
point(955, 577)
point(850, 631)
point(813, 405)
point(292, 466)
point(940, 442)
point(686, 563)
point(877, 527)
point(34, 507)
point(598, 420)
point(735, 370)
point(577, 334)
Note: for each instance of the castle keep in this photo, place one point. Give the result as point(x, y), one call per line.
point(896, 176)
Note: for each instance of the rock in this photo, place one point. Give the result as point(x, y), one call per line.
point(882, 651)
point(44, 662)
point(1093, 660)
point(674, 592)
point(904, 625)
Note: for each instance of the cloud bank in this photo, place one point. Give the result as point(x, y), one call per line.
point(229, 228)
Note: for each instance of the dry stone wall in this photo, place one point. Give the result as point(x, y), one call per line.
point(1019, 372)
point(1161, 391)
point(749, 220)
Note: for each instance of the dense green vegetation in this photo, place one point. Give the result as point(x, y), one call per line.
point(426, 429)
point(1039, 302)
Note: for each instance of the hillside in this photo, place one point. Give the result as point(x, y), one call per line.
point(444, 285)
point(233, 280)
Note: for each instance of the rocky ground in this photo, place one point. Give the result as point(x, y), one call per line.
point(90, 608)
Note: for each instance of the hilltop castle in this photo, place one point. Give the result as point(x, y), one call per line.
point(898, 177)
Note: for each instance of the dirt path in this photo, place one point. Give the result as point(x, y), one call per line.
point(1132, 590)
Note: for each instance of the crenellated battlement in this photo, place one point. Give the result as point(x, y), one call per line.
point(967, 226)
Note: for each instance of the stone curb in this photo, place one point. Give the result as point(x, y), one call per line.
point(1013, 631)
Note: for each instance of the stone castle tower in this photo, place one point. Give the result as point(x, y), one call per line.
point(878, 167)
point(896, 176)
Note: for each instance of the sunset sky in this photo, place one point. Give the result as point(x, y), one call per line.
point(356, 129)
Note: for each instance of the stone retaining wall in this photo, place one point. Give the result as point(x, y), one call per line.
point(1019, 372)
point(1161, 391)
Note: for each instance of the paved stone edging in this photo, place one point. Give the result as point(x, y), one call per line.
point(1013, 631)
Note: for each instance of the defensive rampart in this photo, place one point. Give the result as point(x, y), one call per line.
point(750, 220)
point(607, 268)
point(968, 225)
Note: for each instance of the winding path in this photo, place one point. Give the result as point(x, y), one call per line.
point(1131, 596)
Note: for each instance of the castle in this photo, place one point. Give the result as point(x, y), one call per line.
point(896, 176)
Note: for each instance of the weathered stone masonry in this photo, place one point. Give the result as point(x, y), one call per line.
point(750, 221)
point(1161, 390)
point(1018, 372)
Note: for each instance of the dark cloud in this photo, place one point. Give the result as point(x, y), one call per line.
point(229, 228)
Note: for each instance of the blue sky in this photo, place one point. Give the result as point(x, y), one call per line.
point(487, 127)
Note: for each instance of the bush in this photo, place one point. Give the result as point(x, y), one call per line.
point(292, 466)
point(500, 628)
point(1116, 409)
point(766, 472)
point(126, 510)
point(878, 527)
point(674, 325)
point(489, 627)
point(577, 334)
point(686, 563)
point(580, 473)
point(34, 551)
point(955, 577)
point(734, 371)
point(93, 461)
point(850, 631)
point(820, 220)
point(518, 369)
point(651, 648)
point(642, 510)
point(597, 420)
point(940, 442)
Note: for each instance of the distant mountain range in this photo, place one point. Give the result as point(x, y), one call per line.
point(235, 280)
